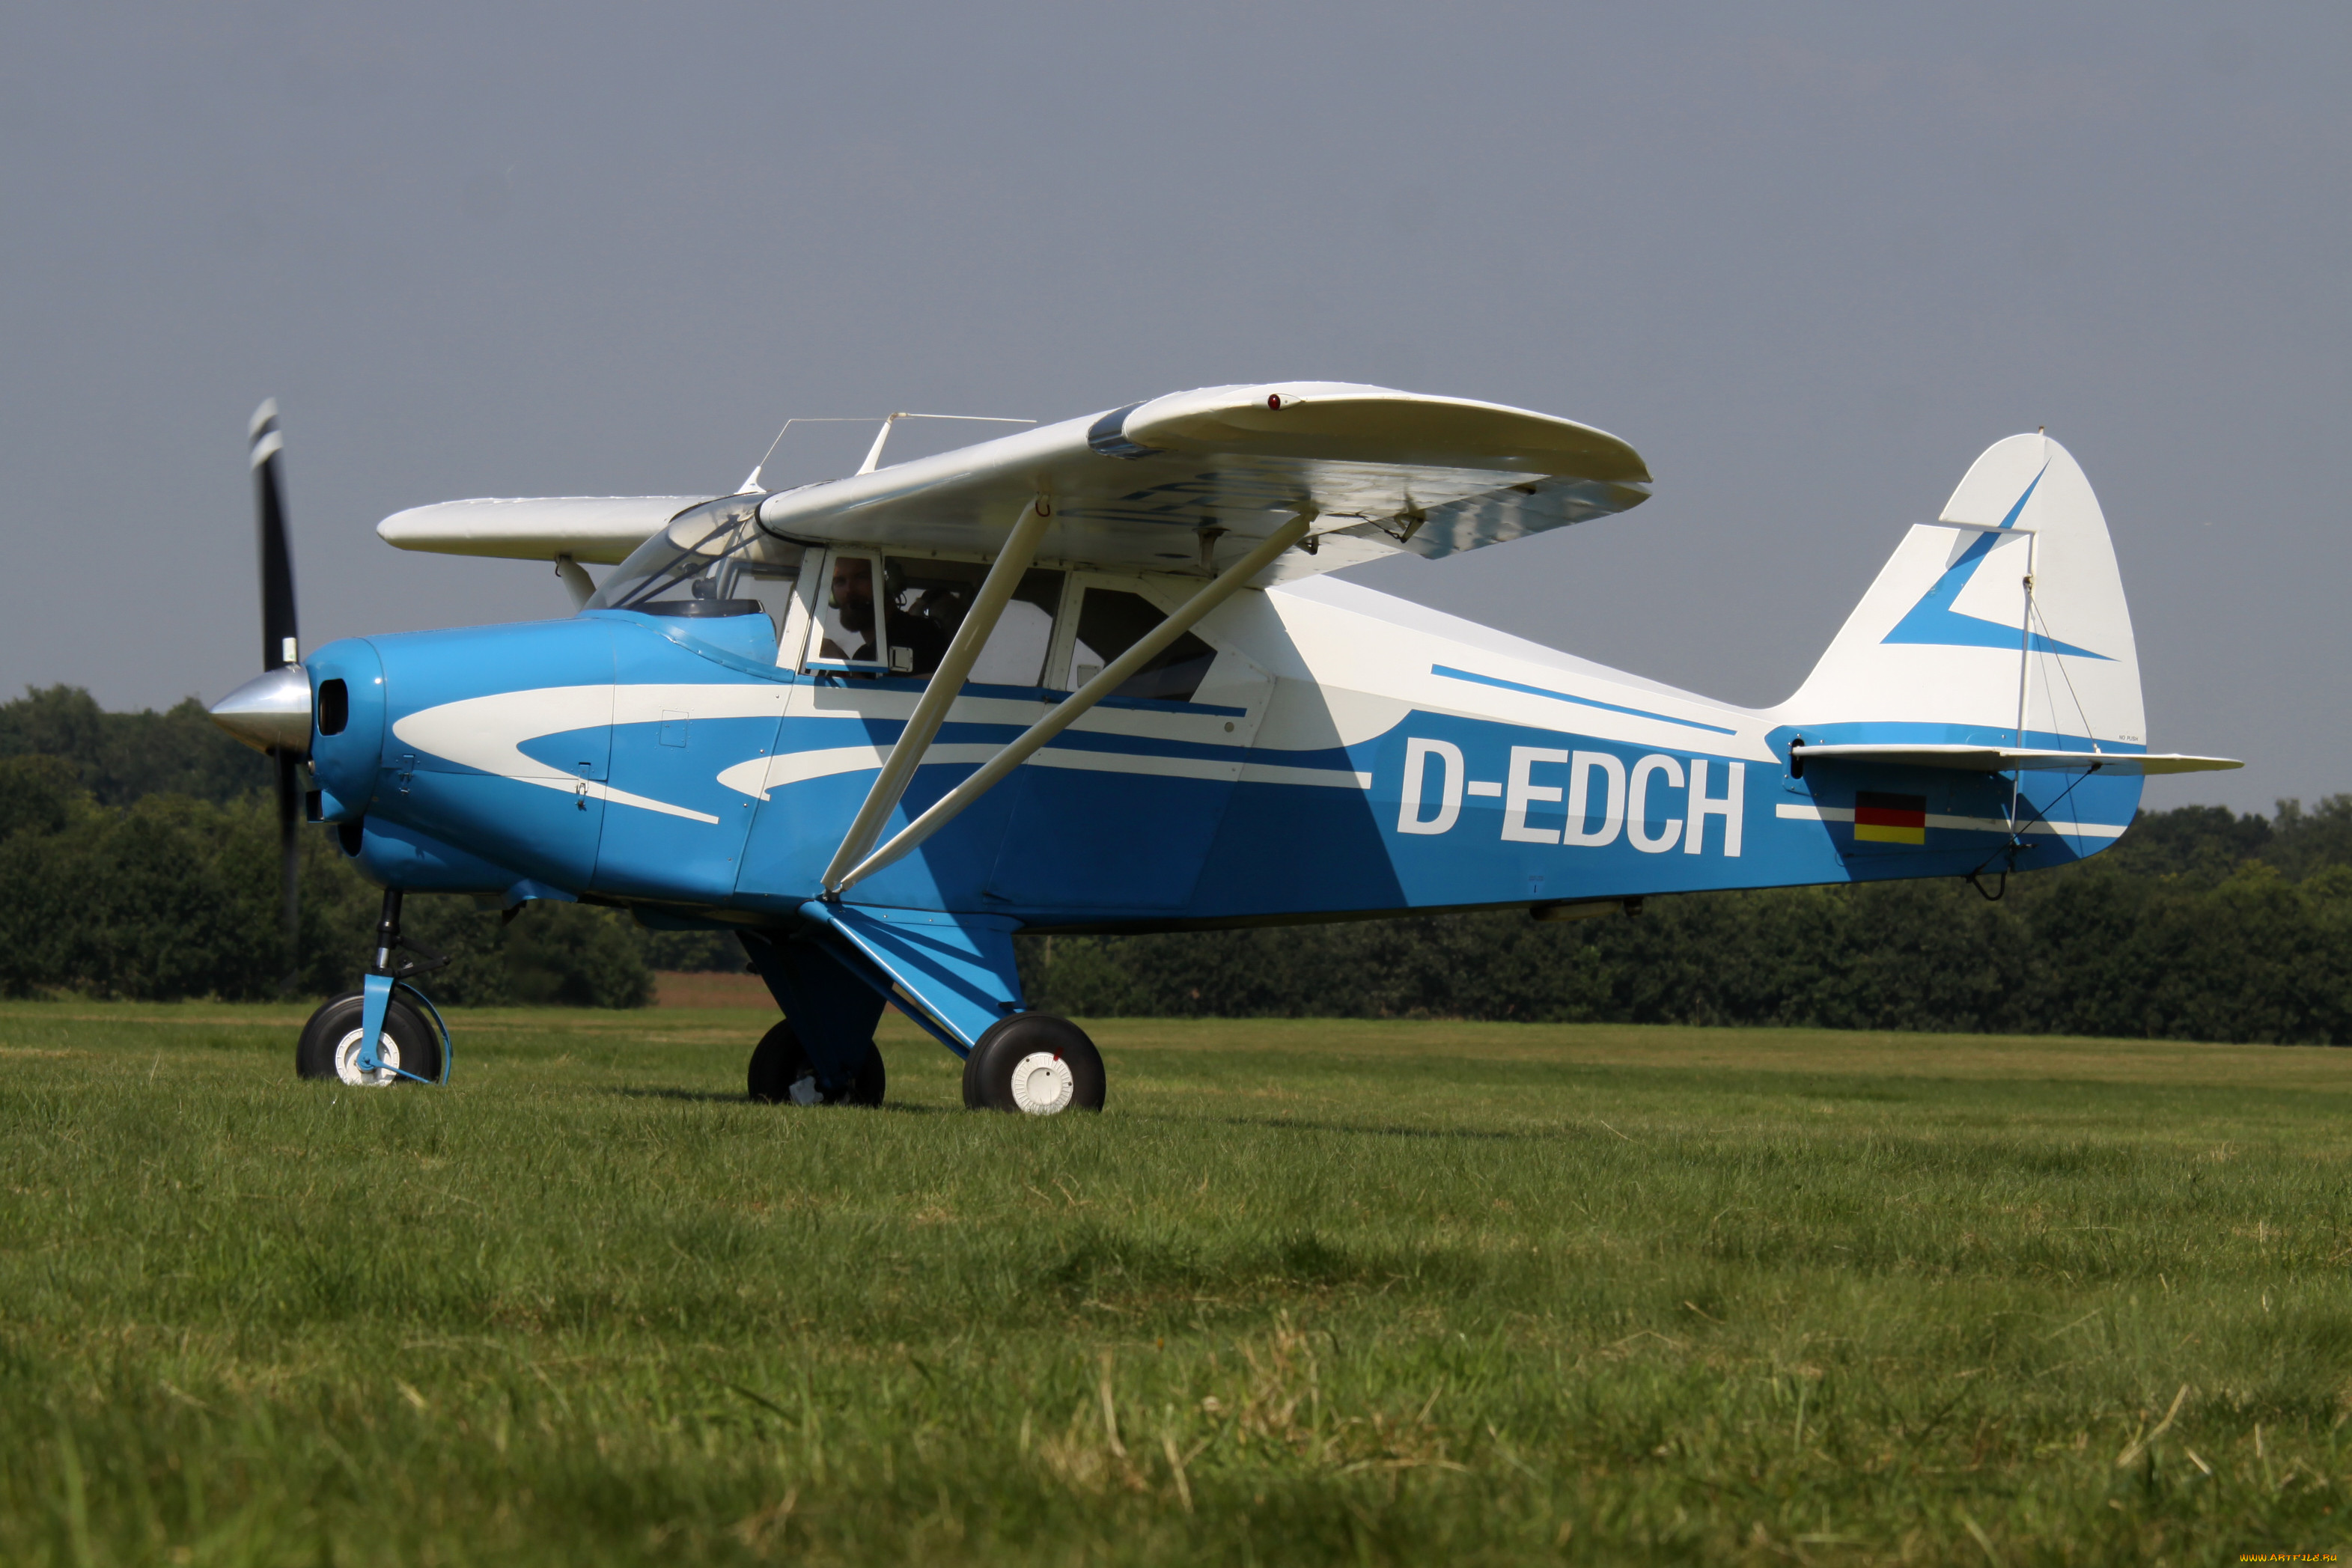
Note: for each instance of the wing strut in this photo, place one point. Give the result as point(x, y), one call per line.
point(1114, 673)
point(931, 708)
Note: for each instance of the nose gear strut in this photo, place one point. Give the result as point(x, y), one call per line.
point(388, 972)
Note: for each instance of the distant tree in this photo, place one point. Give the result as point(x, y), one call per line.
point(2303, 842)
point(39, 795)
point(694, 951)
point(121, 757)
point(167, 895)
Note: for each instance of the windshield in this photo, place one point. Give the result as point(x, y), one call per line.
point(713, 560)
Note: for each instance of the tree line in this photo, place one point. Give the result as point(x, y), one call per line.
point(2199, 924)
point(138, 859)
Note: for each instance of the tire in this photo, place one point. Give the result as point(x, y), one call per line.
point(329, 1046)
point(1033, 1064)
point(782, 1073)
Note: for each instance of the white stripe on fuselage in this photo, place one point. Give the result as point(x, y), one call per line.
point(487, 733)
point(762, 775)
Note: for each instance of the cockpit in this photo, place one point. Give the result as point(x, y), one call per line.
point(870, 615)
point(712, 560)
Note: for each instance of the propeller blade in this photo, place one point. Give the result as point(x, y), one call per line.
point(278, 634)
point(280, 646)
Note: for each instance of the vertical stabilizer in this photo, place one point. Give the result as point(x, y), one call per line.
point(2002, 620)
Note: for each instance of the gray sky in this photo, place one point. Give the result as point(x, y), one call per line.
point(1809, 259)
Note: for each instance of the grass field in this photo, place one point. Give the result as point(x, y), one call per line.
point(1305, 1292)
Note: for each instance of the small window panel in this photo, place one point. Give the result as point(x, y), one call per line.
point(1113, 620)
point(795, 616)
point(774, 588)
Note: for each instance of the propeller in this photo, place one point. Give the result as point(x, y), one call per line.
point(272, 714)
point(280, 646)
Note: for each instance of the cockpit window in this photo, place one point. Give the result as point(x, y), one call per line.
point(1110, 621)
point(712, 560)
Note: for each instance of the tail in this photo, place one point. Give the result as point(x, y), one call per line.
point(2002, 623)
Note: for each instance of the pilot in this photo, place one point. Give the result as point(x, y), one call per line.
point(853, 599)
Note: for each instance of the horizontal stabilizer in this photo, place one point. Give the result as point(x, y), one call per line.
point(2010, 758)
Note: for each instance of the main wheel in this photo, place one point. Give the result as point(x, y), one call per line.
point(1035, 1064)
point(329, 1046)
point(782, 1071)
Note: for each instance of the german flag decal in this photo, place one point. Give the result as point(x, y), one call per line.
point(1889, 818)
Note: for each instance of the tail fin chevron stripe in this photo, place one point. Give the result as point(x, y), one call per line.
point(1934, 621)
point(1950, 645)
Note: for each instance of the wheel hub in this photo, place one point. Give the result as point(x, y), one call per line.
point(1043, 1083)
point(347, 1062)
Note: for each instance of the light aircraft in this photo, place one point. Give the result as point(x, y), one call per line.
point(1094, 676)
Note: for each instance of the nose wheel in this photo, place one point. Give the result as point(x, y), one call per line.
point(1033, 1064)
point(408, 1049)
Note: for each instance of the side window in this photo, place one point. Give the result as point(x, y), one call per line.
point(928, 600)
point(845, 613)
point(772, 584)
point(921, 604)
point(1110, 621)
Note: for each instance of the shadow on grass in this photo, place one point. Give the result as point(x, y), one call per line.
point(699, 1096)
point(1105, 1266)
point(1430, 1135)
point(736, 1097)
point(1274, 1123)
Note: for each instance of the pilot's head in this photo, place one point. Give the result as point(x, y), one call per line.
point(853, 591)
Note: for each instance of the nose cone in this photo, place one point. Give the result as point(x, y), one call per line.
point(270, 711)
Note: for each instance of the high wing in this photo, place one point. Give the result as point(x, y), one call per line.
point(598, 529)
point(1137, 487)
point(1165, 486)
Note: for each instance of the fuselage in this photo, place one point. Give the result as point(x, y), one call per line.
point(1345, 753)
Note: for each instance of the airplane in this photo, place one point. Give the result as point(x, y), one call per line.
point(1095, 677)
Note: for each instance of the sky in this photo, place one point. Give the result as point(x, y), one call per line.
point(1809, 259)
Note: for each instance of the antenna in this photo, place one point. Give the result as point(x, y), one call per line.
point(751, 483)
point(874, 457)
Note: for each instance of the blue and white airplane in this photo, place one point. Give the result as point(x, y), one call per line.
point(1092, 677)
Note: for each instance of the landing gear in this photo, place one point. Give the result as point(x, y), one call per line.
point(782, 1072)
point(407, 1048)
point(400, 1047)
point(832, 991)
point(1034, 1063)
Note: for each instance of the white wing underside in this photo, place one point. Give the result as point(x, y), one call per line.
point(1137, 487)
point(598, 529)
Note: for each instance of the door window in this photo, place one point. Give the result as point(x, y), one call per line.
point(844, 615)
point(922, 603)
point(1113, 620)
point(927, 602)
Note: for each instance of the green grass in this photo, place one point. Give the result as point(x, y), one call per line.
point(1306, 1292)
